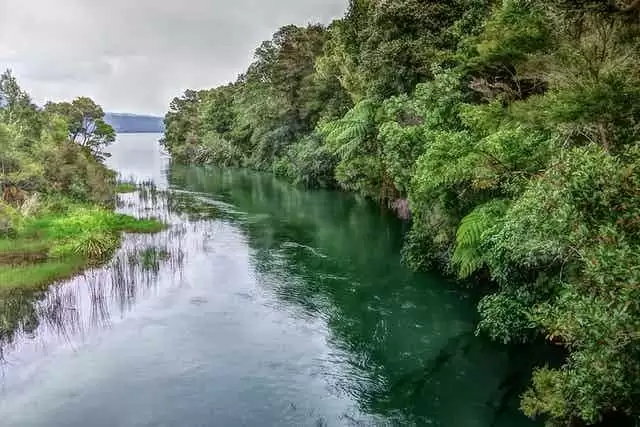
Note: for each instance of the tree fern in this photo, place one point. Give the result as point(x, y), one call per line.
point(468, 256)
point(345, 135)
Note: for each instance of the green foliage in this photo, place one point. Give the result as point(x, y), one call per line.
point(412, 122)
point(10, 220)
point(394, 44)
point(16, 109)
point(215, 149)
point(38, 152)
point(516, 29)
point(94, 246)
point(181, 123)
point(507, 317)
point(17, 164)
point(72, 170)
point(356, 128)
point(85, 121)
point(310, 163)
point(468, 256)
point(511, 127)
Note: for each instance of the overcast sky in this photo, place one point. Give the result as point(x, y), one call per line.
point(136, 55)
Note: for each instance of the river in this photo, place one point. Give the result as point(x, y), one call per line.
point(262, 305)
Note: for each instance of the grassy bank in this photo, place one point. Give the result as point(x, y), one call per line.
point(59, 239)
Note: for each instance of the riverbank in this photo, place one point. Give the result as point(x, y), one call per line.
point(57, 238)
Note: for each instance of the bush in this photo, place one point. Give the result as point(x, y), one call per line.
point(74, 171)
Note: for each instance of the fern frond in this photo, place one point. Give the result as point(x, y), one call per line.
point(344, 136)
point(468, 256)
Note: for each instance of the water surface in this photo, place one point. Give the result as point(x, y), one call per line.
point(262, 305)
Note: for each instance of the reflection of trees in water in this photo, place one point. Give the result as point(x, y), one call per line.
point(402, 343)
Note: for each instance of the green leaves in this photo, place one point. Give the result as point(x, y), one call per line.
point(353, 130)
point(94, 246)
point(354, 140)
point(16, 108)
point(516, 29)
point(506, 317)
point(569, 224)
point(468, 256)
point(37, 150)
point(85, 121)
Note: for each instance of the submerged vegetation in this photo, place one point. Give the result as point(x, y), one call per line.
point(57, 197)
point(126, 187)
point(511, 130)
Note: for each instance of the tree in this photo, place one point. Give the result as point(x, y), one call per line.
point(16, 108)
point(86, 124)
point(38, 155)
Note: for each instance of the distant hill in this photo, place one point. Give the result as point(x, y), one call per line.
point(134, 123)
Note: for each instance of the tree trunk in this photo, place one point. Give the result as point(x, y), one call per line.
point(604, 137)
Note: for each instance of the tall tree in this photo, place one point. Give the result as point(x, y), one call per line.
point(16, 108)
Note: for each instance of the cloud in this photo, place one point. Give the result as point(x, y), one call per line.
point(135, 56)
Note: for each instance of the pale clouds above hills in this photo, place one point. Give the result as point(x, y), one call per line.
point(135, 55)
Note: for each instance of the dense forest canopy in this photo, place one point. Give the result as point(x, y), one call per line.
point(510, 127)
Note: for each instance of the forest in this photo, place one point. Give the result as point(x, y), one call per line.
point(506, 132)
point(57, 197)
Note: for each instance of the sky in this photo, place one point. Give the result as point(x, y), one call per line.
point(136, 55)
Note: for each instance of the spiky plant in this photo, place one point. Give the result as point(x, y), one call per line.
point(95, 247)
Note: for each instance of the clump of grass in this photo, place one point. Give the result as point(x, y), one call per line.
point(96, 246)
